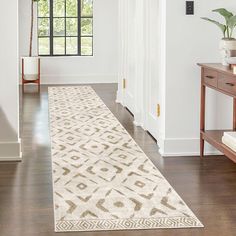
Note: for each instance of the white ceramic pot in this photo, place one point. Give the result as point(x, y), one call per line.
point(227, 49)
point(30, 68)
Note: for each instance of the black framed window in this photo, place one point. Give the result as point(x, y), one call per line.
point(65, 28)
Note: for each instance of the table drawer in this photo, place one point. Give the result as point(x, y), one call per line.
point(227, 84)
point(210, 77)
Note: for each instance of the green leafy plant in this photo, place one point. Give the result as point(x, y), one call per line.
point(230, 22)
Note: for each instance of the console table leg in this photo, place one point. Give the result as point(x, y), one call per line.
point(202, 117)
point(234, 114)
point(201, 146)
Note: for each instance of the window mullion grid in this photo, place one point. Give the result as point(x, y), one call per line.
point(79, 27)
point(37, 31)
point(51, 27)
point(51, 36)
point(65, 19)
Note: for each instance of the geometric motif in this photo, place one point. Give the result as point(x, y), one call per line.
point(102, 180)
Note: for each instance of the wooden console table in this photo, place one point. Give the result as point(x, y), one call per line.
point(221, 79)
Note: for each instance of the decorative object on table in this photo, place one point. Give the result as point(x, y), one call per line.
point(31, 64)
point(234, 69)
point(231, 60)
point(232, 63)
point(228, 42)
point(229, 139)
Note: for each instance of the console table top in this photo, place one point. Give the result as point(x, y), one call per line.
point(218, 67)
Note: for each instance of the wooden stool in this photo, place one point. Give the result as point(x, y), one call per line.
point(30, 69)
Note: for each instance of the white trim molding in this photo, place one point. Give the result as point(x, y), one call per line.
point(10, 151)
point(170, 147)
point(78, 79)
point(119, 97)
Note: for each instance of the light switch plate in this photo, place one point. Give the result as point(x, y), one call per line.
point(189, 7)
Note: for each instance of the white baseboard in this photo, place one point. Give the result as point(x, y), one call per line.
point(10, 151)
point(138, 124)
point(77, 79)
point(184, 147)
point(119, 97)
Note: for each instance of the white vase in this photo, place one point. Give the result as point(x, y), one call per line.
point(227, 49)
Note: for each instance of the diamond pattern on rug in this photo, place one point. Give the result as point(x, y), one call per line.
point(102, 179)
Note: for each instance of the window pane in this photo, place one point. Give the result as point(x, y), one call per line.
point(86, 46)
point(59, 46)
point(44, 46)
point(43, 27)
point(71, 45)
point(86, 7)
point(58, 8)
point(64, 30)
point(58, 27)
point(71, 8)
point(72, 26)
point(86, 26)
point(43, 8)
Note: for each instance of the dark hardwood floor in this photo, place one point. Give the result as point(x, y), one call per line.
point(208, 186)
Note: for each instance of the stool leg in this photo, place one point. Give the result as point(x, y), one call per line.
point(38, 86)
point(39, 74)
point(202, 116)
point(234, 114)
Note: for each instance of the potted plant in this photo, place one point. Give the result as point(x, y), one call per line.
point(30, 63)
point(228, 42)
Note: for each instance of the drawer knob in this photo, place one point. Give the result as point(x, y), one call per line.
point(210, 77)
point(230, 84)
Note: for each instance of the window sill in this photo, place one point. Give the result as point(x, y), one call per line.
point(66, 57)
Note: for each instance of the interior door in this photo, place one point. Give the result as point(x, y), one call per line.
point(152, 93)
point(130, 57)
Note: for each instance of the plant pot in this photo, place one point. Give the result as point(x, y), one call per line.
point(227, 49)
point(30, 70)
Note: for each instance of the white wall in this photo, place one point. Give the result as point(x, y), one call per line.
point(9, 94)
point(102, 67)
point(190, 40)
point(184, 42)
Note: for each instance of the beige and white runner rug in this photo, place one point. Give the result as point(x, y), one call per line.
point(102, 179)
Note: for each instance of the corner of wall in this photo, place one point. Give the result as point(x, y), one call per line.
point(10, 151)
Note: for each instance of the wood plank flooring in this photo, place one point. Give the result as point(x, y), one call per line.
point(208, 186)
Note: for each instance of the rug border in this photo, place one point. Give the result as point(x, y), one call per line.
point(120, 224)
point(198, 222)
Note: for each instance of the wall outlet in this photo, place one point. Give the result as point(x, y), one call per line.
point(189, 7)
